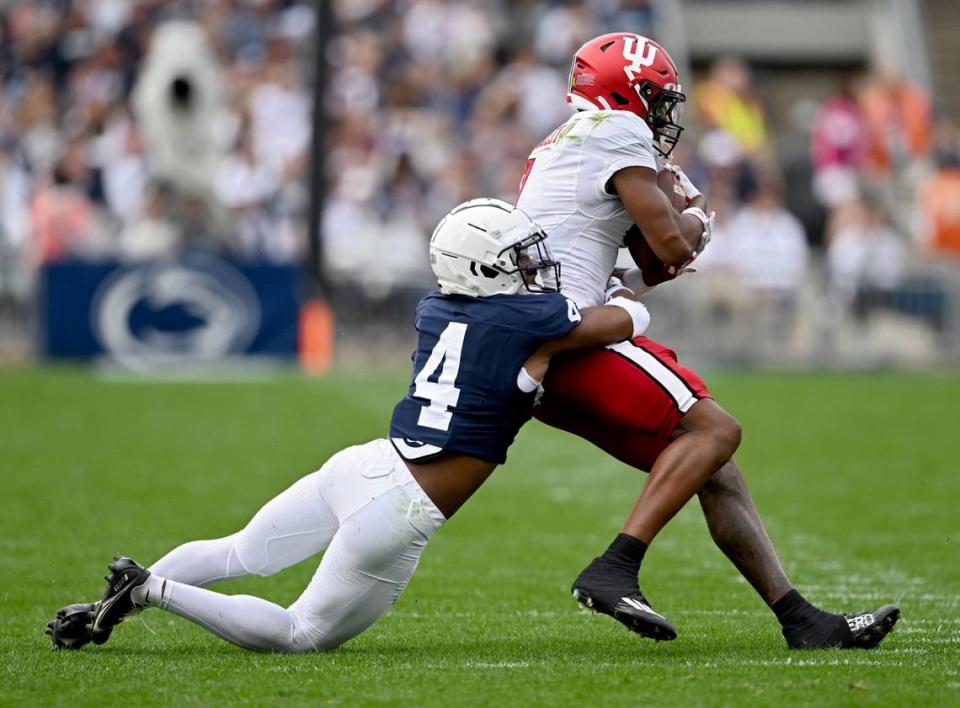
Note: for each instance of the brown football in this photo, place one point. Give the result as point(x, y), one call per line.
point(653, 269)
point(669, 184)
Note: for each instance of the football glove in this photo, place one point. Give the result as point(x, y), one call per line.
point(690, 191)
point(615, 287)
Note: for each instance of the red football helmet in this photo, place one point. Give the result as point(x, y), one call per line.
point(628, 72)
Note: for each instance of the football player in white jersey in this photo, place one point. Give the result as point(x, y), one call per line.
point(590, 182)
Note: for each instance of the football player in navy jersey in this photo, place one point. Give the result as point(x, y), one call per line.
point(483, 348)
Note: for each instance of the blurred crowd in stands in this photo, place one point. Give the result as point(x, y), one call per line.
point(432, 102)
point(435, 102)
point(877, 193)
point(99, 157)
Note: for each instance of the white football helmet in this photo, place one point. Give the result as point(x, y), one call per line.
point(484, 247)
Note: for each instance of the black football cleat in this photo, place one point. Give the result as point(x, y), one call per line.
point(856, 630)
point(869, 628)
point(125, 575)
point(72, 628)
point(604, 590)
point(100, 636)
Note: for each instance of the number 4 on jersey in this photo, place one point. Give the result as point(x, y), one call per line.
point(442, 393)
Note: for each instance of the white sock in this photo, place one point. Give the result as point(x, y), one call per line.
point(151, 593)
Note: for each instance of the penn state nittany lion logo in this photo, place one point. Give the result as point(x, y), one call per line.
point(193, 309)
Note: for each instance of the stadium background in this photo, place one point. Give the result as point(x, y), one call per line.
point(825, 134)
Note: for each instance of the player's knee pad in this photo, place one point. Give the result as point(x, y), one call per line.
point(292, 526)
point(251, 551)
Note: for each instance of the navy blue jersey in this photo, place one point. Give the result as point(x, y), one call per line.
point(464, 396)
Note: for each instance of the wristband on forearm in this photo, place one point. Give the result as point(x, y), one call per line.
point(705, 234)
point(700, 214)
point(638, 313)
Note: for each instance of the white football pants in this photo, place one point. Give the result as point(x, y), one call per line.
point(363, 507)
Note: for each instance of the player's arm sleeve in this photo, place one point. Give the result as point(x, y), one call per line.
point(598, 327)
point(555, 318)
point(622, 140)
point(595, 327)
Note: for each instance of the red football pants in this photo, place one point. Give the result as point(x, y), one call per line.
point(626, 399)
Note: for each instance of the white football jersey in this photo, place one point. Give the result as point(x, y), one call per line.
point(564, 189)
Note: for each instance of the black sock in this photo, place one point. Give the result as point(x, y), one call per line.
point(613, 575)
point(792, 608)
point(626, 551)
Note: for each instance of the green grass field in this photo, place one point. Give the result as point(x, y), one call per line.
point(855, 474)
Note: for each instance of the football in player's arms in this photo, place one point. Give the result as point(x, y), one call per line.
point(483, 348)
point(651, 271)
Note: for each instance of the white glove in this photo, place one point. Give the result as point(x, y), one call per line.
point(690, 190)
point(707, 221)
point(615, 288)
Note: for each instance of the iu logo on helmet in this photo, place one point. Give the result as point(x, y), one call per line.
point(638, 55)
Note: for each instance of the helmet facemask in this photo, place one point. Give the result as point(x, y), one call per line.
point(664, 111)
point(539, 272)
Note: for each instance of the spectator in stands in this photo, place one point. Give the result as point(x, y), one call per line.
point(898, 117)
point(638, 15)
point(838, 146)
point(940, 196)
point(279, 110)
point(447, 33)
point(63, 220)
point(726, 103)
point(245, 185)
point(14, 188)
point(751, 275)
point(767, 243)
point(865, 254)
point(719, 292)
point(118, 155)
point(562, 28)
point(721, 253)
point(37, 131)
point(530, 93)
point(152, 233)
